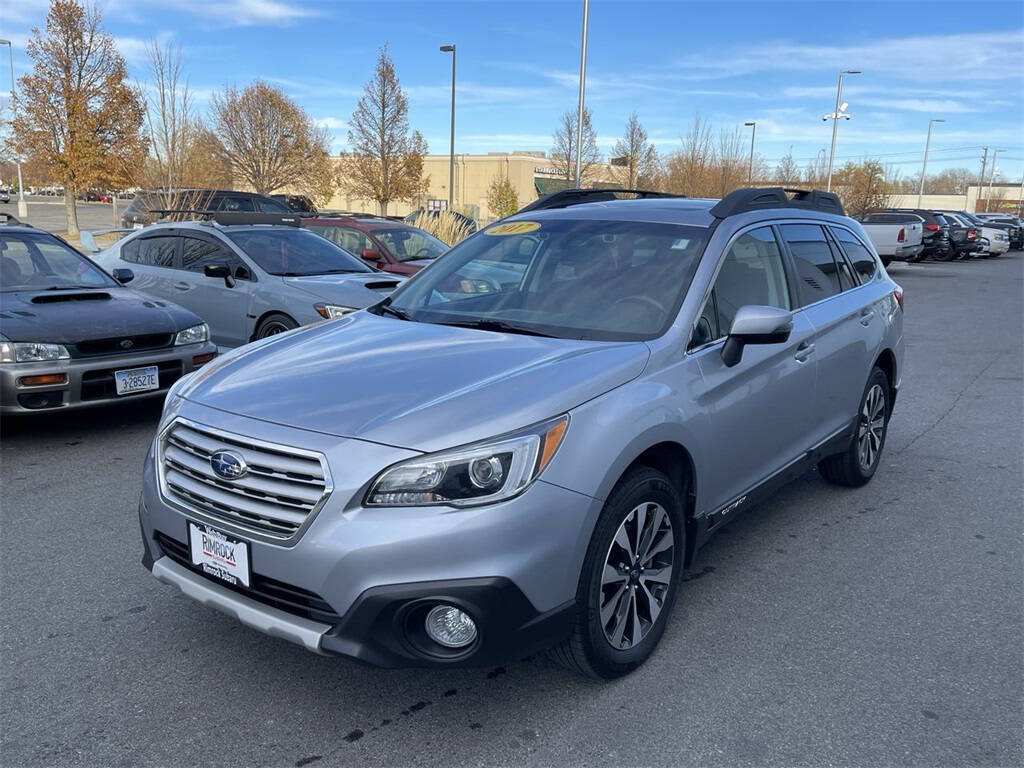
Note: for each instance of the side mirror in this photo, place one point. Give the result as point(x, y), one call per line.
point(756, 325)
point(123, 275)
point(220, 270)
point(371, 254)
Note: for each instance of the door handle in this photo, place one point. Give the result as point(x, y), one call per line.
point(865, 316)
point(182, 286)
point(804, 351)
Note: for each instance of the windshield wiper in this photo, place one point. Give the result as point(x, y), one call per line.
point(386, 308)
point(500, 326)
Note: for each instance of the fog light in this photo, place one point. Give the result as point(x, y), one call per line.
point(450, 627)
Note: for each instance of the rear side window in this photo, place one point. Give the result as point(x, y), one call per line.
point(268, 205)
point(751, 273)
point(817, 271)
point(864, 263)
point(236, 204)
point(151, 251)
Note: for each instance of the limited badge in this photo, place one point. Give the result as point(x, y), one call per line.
point(513, 228)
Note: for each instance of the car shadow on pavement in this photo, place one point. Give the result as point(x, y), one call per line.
point(88, 422)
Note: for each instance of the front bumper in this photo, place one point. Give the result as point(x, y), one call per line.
point(90, 380)
point(364, 577)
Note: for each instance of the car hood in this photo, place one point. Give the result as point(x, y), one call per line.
point(356, 289)
point(67, 317)
point(412, 385)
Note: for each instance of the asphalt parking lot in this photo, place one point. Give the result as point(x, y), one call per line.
point(879, 626)
point(48, 213)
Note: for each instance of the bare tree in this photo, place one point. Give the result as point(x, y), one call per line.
point(563, 153)
point(687, 170)
point(787, 171)
point(634, 157)
point(863, 186)
point(731, 163)
point(385, 160)
point(952, 181)
point(271, 142)
point(78, 117)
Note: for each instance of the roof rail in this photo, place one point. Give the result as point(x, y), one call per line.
point(232, 218)
point(756, 199)
point(564, 198)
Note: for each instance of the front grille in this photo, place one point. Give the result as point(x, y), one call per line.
point(97, 385)
point(294, 600)
point(282, 488)
point(115, 345)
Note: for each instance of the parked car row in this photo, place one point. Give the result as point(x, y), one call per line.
point(945, 235)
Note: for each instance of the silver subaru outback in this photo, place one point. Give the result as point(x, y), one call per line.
point(527, 443)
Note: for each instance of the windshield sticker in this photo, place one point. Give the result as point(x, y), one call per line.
point(514, 228)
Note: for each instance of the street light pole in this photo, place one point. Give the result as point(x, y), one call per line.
point(451, 151)
point(835, 121)
point(753, 132)
point(583, 80)
point(924, 165)
point(22, 205)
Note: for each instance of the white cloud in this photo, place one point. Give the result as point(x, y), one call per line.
point(963, 57)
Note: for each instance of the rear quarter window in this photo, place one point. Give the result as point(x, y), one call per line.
point(864, 263)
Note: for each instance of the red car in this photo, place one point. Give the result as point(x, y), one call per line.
point(388, 245)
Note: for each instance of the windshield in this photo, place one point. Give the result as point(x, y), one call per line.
point(35, 261)
point(406, 244)
point(574, 279)
point(295, 252)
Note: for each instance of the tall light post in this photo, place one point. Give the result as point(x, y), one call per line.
point(991, 178)
point(22, 205)
point(752, 124)
point(451, 151)
point(579, 108)
point(924, 165)
point(840, 113)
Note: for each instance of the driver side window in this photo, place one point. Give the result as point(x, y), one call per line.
point(752, 273)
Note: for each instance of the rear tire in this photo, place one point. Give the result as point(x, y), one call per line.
point(274, 324)
point(856, 465)
point(948, 255)
point(630, 578)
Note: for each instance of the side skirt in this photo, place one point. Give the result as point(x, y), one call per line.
point(709, 523)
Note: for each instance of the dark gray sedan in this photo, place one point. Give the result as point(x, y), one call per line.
point(71, 336)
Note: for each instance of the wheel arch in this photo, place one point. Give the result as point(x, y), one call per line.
point(259, 321)
point(886, 360)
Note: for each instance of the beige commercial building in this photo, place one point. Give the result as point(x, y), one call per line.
point(532, 174)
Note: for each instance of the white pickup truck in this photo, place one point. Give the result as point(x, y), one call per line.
point(896, 236)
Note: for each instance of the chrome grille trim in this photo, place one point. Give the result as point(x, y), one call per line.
point(277, 499)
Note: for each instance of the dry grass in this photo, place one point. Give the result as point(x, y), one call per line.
point(443, 226)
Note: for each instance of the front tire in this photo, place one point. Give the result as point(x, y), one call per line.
point(856, 465)
point(274, 324)
point(630, 578)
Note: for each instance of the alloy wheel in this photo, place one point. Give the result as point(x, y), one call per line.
point(272, 329)
point(872, 427)
point(638, 571)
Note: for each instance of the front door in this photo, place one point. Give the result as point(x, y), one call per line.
point(761, 408)
point(224, 308)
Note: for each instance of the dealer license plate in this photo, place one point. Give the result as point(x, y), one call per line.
point(219, 555)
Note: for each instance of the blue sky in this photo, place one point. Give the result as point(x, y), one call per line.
point(774, 62)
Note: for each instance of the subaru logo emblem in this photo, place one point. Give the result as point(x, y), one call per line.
point(127, 344)
point(228, 465)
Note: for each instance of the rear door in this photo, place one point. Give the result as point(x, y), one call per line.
point(840, 298)
point(760, 409)
point(152, 258)
point(224, 308)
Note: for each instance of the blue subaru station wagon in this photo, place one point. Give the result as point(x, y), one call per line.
point(525, 445)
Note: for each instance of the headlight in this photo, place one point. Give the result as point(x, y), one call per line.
point(193, 335)
point(31, 352)
point(475, 474)
point(332, 311)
